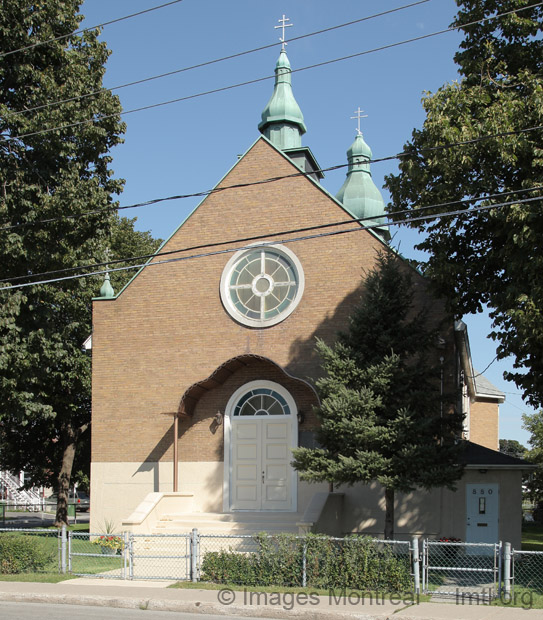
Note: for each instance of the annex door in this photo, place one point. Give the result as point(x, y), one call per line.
point(262, 425)
point(482, 510)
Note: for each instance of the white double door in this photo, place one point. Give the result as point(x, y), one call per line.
point(261, 475)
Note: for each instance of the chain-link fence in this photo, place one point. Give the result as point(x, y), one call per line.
point(527, 571)
point(41, 514)
point(462, 570)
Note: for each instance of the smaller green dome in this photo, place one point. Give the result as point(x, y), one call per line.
point(359, 194)
point(106, 289)
point(359, 148)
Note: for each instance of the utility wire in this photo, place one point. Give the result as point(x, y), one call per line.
point(76, 32)
point(268, 180)
point(217, 60)
point(262, 79)
point(479, 374)
point(283, 241)
point(268, 235)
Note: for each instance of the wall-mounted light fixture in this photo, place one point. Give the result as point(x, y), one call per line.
point(218, 418)
point(301, 417)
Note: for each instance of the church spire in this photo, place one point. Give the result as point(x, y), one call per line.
point(282, 120)
point(359, 194)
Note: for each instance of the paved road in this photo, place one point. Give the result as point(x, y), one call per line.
point(23, 520)
point(29, 611)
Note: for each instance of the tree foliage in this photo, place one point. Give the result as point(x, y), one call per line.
point(127, 242)
point(381, 413)
point(492, 257)
point(47, 181)
point(533, 423)
point(512, 447)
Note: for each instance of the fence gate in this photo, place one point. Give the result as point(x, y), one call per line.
point(159, 556)
point(97, 555)
point(461, 570)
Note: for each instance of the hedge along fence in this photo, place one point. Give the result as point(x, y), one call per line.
point(315, 561)
point(24, 552)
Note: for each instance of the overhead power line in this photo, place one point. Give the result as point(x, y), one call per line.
point(215, 190)
point(99, 118)
point(279, 233)
point(407, 212)
point(217, 60)
point(357, 221)
point(76, 32)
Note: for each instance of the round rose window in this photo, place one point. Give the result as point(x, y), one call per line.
point(261, 286)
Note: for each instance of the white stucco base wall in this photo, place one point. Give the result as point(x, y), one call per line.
point(118, 488)
point(435, 513)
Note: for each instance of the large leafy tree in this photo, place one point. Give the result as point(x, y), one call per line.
point(487, 257)
point(382, 416)
point(512, 447)
point(34, 446)
point(533, 423)
point(47, 181)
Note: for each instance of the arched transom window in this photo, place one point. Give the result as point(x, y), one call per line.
point(261, 401)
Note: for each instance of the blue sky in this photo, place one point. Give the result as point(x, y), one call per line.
point(186, 147)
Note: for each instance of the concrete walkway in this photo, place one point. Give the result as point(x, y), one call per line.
point(157, 596)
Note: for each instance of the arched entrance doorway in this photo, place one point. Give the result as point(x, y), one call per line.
point(261, 428)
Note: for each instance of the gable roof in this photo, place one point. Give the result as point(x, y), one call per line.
point(297, 172)
point(476, 456)
point(484, 388)
point(478, 385)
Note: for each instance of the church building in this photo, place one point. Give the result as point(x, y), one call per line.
point(204, 367)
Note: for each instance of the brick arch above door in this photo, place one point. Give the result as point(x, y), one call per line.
point(200, 438)
point(233, 366)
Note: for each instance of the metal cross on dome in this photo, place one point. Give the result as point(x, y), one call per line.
point(358, 116)
point(283, 21)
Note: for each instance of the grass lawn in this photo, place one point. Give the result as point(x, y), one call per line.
point(532, 537)
point(38, 577)
point(92, 561)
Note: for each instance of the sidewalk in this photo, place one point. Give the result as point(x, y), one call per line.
point(157, 596)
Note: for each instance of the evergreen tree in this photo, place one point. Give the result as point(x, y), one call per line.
point(492, 257)
point(44, 375)
point(381, 413)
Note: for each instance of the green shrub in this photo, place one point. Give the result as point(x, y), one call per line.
point(230, 567)
point(19, 554)
point(354, 562)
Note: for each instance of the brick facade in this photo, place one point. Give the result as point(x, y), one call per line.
point(168, 330)
point(484, 422)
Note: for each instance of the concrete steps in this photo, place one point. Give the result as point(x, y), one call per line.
point(239, 523)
